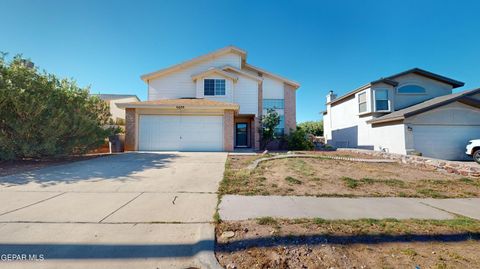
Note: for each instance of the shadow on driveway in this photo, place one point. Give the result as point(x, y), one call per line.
point(122, 167)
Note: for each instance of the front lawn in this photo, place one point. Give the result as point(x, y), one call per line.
point(367, 243)
point(327, 177)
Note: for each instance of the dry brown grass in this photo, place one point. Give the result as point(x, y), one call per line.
point(390, 243)
point(325, 177)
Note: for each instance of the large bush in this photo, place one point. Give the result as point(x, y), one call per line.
point(312, 127)
point(298, 140)
point(42, 115)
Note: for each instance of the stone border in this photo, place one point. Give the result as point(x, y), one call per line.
point(459, 168)
point(255, 163)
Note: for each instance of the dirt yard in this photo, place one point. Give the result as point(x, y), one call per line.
point(20, 166)
point(271, 243)
point(326, 177)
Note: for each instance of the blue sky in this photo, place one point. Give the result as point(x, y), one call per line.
point(324, 45)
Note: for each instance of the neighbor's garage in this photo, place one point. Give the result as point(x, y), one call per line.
point(444, 142)
point(444, 132)
point(180, 132)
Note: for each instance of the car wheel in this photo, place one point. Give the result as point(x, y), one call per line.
point(476, 155)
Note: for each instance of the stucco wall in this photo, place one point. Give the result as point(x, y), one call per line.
point(389, 138)
point(119, 112)
point(433, 88)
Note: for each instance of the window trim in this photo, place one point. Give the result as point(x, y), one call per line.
point(410, 84)
point(214, 87)
point(388, 100)
point(364, 102)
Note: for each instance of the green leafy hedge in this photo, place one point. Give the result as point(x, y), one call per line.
point(42, 115)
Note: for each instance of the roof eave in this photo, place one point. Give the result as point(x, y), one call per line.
point(162, 106)
point(386, 120)
point(210, 55)
point(295, 84)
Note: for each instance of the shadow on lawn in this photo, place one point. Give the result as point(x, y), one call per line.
point(275, 241)
point(53, 251)
point(120, 167)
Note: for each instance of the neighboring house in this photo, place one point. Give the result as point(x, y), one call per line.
point(411, 112)
point(210, 103)
point(118, 114)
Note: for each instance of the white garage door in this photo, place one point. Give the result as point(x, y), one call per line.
point(443, 142)
point(184, 133)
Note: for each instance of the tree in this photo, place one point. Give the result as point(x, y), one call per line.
point(269, 122)
point(42, 115)
point(312, 127)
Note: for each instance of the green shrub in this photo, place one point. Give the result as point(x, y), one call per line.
point(298, 140)
point(42, 115)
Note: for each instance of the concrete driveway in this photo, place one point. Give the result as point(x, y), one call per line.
point(130, 210)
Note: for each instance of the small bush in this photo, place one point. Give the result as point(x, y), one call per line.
point(267, 221)
point(293, 180)
point(298, 140)
point(350, 182)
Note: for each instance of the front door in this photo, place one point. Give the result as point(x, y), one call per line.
point(241, 135)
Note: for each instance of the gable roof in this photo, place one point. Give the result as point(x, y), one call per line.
point(186, 102)
point(214, 70)
point(429, 105)
point(295, 84)
point(391, 81)
point(108, 97)
point(222, 51)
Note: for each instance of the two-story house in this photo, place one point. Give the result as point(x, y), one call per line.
point(413, 112)
point(210, 103)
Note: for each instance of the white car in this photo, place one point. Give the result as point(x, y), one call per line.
point(473, 149)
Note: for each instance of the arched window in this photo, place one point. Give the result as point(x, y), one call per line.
point(411, 89)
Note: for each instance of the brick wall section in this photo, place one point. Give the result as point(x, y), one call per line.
point(130, 126)
point(256, 120)
point(290, 108)
point(228, 130)
point(460, 168)
point(256, 130)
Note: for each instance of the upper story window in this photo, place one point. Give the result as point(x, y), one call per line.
point(273, 103)
point(212, 87)
point(362, 102)
point(381, 100)
point(411, 89)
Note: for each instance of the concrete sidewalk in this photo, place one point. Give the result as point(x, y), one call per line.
point(235, 207)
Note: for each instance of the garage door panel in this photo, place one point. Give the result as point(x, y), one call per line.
point(444, 141)
point(202, 133)
point(187, 133)
point(159, 133)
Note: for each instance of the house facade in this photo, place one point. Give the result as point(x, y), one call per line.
point(413, 112)
point(211, 103)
